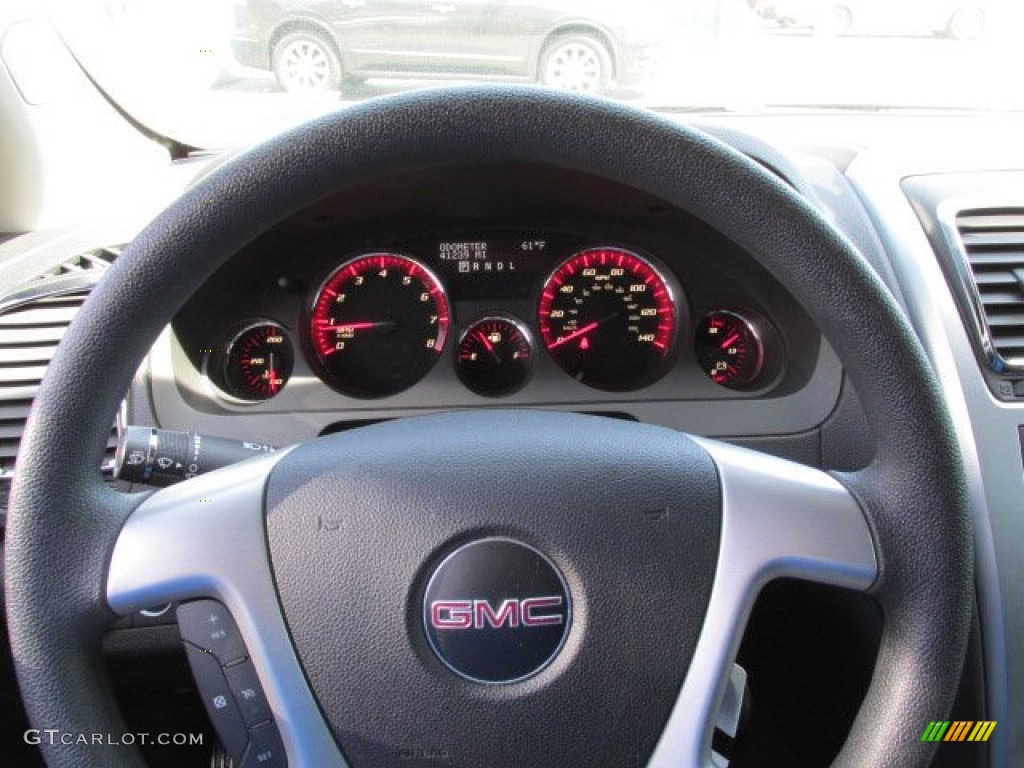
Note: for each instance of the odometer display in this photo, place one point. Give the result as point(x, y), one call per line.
point(378, 324)
point(608, 318)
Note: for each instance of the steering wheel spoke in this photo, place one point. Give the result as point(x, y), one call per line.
point(206, 538)
point(779, 519)
point(782, 519)
point(202, 538)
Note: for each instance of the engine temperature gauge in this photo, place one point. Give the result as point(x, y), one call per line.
point(258, 362)
point(730, 348)
point(495, 356)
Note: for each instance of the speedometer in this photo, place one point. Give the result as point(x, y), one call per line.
point(378, 324)
point(608, 318)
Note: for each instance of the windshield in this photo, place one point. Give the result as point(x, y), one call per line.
point(217, 73)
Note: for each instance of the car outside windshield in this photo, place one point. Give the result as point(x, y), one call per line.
point(214, 73)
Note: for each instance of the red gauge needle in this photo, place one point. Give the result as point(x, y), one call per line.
point(576, 334)
point(486, 342)
point(487, 345)
point(730, 341)
point(271, 374)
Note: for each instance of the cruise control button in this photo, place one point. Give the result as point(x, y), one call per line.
point(266, 749)
point(208, 625)
point(245, 685)
point(219, 702)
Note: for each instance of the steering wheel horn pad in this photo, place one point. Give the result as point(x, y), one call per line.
point(357, 524)
point(900, 528)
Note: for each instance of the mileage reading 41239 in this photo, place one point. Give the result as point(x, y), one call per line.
point(476, 257)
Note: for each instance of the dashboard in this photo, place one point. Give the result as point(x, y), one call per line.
point(533, 292)
point(455, 286)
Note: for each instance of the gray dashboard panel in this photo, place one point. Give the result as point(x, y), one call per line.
point(416, 211)
point(170, 372)
point(987, 428)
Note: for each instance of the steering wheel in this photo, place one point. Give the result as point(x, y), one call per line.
point(359, 566)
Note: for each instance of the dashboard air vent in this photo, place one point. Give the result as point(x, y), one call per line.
point(32, 321)
point(96, 260)
point(993, 245)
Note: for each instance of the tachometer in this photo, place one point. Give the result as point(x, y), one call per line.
point(608, 318)
point(378, 324)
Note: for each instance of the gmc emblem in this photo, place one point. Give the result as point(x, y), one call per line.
point(478, 614)
point(477, 630)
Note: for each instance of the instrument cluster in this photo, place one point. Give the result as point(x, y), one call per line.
point(611, 316)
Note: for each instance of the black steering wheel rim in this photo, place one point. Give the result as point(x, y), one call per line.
point(913, 494)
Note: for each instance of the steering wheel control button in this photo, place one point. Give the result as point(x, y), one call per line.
point(266, 750)
point(496, 611)
point(208, 625)
point(220, 704)
point(248, 692)
point(229, 686)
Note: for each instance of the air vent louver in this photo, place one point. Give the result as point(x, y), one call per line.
point(97, 260)
point(32, 322)
point(993, 242)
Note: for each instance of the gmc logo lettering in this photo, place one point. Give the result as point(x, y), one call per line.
point(476, 614)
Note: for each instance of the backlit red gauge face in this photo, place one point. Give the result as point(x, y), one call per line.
point(730, 349)
point(258, 362)
point(378, 324)
point(495, 356)
point(608, 317)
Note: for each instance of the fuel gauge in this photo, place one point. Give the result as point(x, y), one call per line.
point(494, 356)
